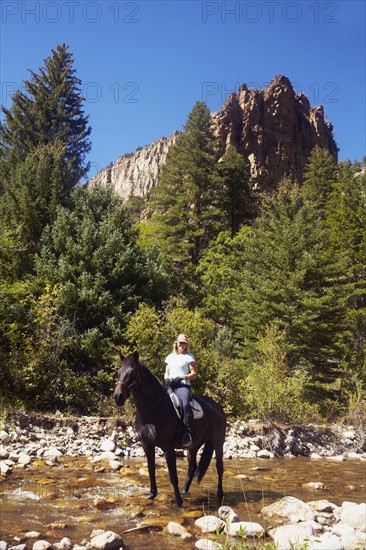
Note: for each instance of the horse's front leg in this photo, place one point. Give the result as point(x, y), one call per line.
point(150, 455)
point(192, 467)
point(173, 476)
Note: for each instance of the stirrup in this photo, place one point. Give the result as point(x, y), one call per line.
point(186, 440)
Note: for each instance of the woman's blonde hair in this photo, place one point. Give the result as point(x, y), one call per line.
point(175, 344)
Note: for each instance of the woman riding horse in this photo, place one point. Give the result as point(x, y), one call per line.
point(180, 369)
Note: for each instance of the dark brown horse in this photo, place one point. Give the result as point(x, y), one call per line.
point(159, 426)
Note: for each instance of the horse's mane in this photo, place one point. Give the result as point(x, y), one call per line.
point(151, 377)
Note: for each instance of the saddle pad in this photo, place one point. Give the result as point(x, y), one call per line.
point(197, 410)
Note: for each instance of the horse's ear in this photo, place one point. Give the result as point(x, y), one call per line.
point(136, 356)
point(121, 356)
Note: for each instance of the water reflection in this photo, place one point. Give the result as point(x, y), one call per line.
point(74, 497)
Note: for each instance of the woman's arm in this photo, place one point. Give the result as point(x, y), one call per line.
point(166, 375)
point(192, 375)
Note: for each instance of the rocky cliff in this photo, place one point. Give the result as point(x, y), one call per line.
point(275, 129)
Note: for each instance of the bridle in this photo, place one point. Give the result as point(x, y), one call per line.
point(129, 386)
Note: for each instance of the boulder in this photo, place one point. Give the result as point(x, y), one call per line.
point(108, 540)
point(210, 524)
point(293, 535)
point(354, 515)
point(249, 528)
point(290, 508)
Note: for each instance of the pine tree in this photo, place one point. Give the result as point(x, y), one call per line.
point(320, 176)
point(236, 197)
point(286, 278)
point(186, 198)
point(49, 112)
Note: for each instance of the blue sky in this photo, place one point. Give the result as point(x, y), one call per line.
point(143, 64)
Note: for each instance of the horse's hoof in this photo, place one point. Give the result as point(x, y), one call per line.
point(178, 503)
point(151, 496)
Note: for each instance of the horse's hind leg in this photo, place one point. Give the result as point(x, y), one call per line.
point(192, 467)
point(220, 471)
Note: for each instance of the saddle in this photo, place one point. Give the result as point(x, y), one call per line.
point(197, 411)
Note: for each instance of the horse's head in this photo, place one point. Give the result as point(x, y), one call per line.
point(128, 375)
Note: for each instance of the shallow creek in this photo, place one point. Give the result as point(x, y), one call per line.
point(75, 496)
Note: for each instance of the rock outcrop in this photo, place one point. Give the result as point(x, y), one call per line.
point(275, 129)
point(136, 173)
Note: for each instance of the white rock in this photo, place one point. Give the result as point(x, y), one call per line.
point(52, 451)
point(4, 468)
point(314, 485)
point(24, 458)
point(210, 524)
point(4, 453)
point(342, 530)
point(265, 454)
point(207, 544)
point(354, 540)
point(254, 448)
point(4, 437)
point(66, 543)
point(353, 456)
point(108, 445)
point(322, 505)
point(228, 514)
point(251, 529)
point(115, 464)
point(290, 507)
point(107, 541)
point(336, 458)
point(287, 536)
point(315, 456)
point(3, 545)
point(176, 529)
point(354, 515)
point(32, 535)
point(327, 541)
point(41, 545)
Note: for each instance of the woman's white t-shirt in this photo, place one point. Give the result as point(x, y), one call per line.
point(178, 364)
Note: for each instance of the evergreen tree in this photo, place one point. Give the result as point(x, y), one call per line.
point(49, 112)
point(33, 189)
point(236, 198)
point(319, 179)
point(91, 251)
point(186, 199)
point(346, 217)
point(286, 278)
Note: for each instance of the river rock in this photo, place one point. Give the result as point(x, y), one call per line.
point(18, 547)
point(41, 545)
point(314, 485)
point(207, 544)
point(290, 508)
point(342, 530)
point(288, 536)
point(210, 524)
point(176, 529)
point(265, 454)
point(4, 453)
point(66, 543)
point(108, 445)
point(115, 465)
point(354, 515)
point(327, 541)
point(107, 541)
point(228, 514)
point(32, 535)
point(24, 458)
point(52, 451)
point(3, 545)
point(4, 468)
point(354, 540)
point(322, 506)
point(251, 529)
point(4, 437)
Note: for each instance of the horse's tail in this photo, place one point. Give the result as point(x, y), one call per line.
point(205, 460)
